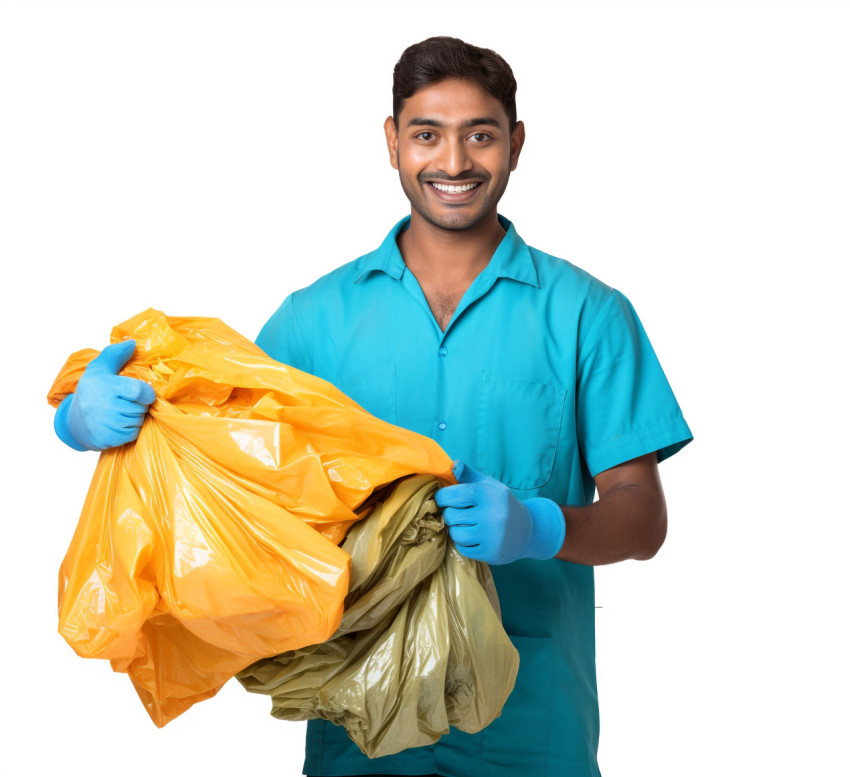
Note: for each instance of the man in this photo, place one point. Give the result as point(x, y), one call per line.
point(535, 376)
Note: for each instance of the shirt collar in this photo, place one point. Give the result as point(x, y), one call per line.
point(512, 259)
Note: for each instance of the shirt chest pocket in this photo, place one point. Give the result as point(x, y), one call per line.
point(518, 427)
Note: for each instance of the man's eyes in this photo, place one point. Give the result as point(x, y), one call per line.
point(478, 137)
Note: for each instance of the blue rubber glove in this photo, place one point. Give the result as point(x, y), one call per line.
point(107, 409)
point(488, 523)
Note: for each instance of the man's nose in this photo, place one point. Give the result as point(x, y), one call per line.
point(454, 157)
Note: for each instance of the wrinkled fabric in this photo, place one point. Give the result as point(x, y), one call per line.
point(420, 646)
point(211, 541)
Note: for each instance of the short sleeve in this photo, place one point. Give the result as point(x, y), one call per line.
point(282, 339)
point(625, 407)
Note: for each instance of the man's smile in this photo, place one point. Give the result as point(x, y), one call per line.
point(455, 193)
point(453, 189)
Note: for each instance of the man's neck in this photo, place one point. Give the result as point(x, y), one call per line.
point(445, 260)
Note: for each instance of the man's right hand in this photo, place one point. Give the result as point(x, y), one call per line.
point(107, 409)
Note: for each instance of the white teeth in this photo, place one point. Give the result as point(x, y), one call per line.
point(453, 189)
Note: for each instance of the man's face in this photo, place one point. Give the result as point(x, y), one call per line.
point(454, 152)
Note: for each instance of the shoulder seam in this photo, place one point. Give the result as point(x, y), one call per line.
point(588, 342)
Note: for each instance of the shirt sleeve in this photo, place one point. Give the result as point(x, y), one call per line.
point(281, 338)
point(624, 405)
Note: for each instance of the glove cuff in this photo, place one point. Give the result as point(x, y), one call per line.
point(547, 538)
point(60, 424)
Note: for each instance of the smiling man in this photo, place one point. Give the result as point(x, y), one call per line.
point(536, 377)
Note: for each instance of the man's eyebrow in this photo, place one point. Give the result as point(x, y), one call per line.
point(424, 121)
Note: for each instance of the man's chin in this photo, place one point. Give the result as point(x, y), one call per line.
point(454, 222)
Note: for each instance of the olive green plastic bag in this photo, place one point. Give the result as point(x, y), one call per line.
point(420, 646)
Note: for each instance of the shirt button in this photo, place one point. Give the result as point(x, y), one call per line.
point(442, 426)
point(443, 351)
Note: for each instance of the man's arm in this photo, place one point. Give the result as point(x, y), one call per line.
point(488, 523)
point(628, 521)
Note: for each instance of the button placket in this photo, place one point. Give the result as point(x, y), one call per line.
point(442, 352)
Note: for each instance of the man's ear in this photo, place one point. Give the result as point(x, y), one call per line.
point(517, 140)
point(392, 140)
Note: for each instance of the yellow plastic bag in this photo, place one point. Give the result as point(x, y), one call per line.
point(212, 540)
point(420, 646)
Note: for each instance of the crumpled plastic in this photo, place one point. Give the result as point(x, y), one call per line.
point(420, 646)
point(211, 541)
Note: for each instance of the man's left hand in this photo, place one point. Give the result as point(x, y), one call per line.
point(488, 523)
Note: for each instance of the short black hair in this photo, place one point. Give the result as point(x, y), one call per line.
point(434, 59)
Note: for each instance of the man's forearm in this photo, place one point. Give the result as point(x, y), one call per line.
point(628, 521)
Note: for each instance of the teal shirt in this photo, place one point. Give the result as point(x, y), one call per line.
point(543, 378)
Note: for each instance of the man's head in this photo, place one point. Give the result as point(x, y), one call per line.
point(453, 135)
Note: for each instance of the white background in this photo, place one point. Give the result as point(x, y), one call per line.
point(206, 158)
